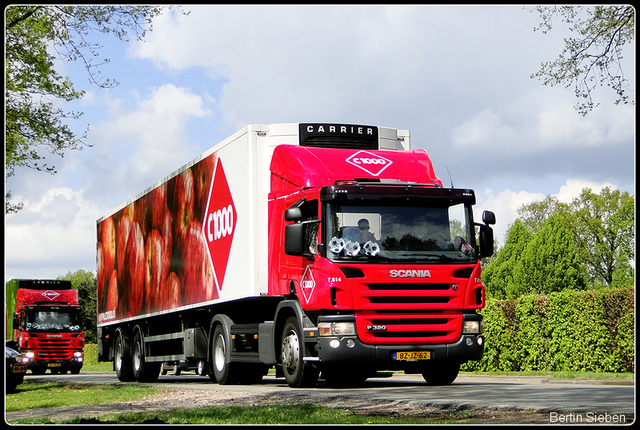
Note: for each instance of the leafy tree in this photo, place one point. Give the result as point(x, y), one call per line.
point(605, 235)
point(593, 57)
point(549, 262)
point(553, 246)
point(499, 277)
point(86, 283)
point(534, 215)
point(35, 37)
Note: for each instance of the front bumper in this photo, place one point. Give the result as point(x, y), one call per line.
point(350, 349)
point(38, 364)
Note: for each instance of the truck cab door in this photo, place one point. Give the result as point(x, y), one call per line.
point(299, 246)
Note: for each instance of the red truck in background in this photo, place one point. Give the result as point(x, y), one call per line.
point(326, 250)
point(44, 324)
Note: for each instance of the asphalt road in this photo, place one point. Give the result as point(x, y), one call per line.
point(562, 400)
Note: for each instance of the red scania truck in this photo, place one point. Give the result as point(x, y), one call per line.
point(44, 323)
point(325, 250)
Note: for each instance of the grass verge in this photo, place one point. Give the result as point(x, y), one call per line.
point(277, 414)
point(31, 395)
point(566, 374)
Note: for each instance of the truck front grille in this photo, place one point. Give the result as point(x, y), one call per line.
point(53, 349)
point(408, 313)
point(408, 327)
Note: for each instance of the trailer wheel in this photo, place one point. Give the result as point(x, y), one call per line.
point(201, 371)
point(441, 374)
point(143, 371)
point(121, 362)
point(297, 373)
point(223, 370)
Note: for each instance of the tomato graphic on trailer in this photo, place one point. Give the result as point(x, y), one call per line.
point(219, 224)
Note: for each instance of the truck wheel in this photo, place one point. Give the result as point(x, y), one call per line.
point(441, 374)
point(297, 373)
point(121, 362)
point(200, 371)
point(143, 371)
point(223, 370)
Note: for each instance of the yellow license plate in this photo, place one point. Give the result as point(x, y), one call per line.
point(412, 355)
point(54, 364)
point(19, 369)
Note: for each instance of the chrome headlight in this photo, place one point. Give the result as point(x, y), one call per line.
point(337, 328)
point(472, 327)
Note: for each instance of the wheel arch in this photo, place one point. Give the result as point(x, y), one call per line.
point(285, 310)
point(226, 322)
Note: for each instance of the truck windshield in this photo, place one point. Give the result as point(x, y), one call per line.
point(400, 233)
point(63, 321)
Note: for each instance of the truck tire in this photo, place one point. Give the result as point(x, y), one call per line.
point(121, 361)
point(297, 373)
point(223, 369)
point(142, 371)
point(441, 374)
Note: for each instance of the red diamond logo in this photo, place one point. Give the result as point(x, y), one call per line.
point(308, 284)
point(371, 163)
point(219, 224)
point(51, 295)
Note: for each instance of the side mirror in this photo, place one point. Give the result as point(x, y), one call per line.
point(486, 241)
point(293, 214)
point(488, 217)
point(486, 234)
point(301, 239)
point(293, 238)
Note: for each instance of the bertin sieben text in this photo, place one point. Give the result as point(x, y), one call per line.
point(587, 417)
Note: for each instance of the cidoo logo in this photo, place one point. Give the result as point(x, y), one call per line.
point(51, 295)
point(371, 163)
point(219, 223)
point(307, 283)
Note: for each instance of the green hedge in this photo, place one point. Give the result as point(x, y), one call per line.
point(569, 330)
point(90, 354)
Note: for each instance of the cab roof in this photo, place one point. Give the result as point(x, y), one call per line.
point(295, 166)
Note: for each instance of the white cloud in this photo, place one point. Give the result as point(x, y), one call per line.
point(485, 130)
point(352, 63)
point(52, 235)
point(510, 128)
point(505, 203)
point(133, 149)
point(573, 188)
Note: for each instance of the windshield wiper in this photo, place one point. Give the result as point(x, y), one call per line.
point(432, 256)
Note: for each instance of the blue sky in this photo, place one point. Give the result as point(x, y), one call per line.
point(458, 77)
